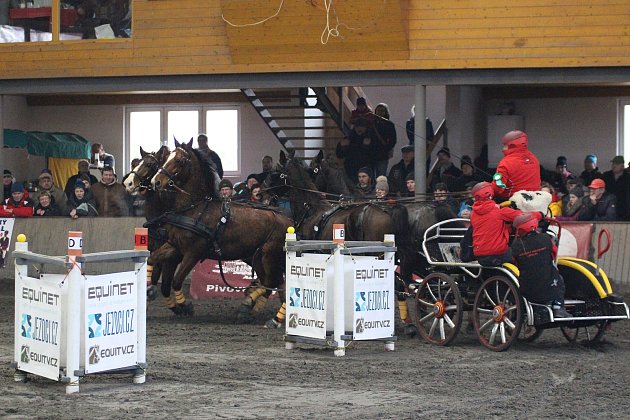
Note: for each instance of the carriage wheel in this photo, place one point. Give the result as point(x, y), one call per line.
point(498, 313)
point(529, 333)
point(587, 335)
point(439, 309)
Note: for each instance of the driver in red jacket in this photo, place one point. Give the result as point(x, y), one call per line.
point(490, 226)
point(518, 170)
point(17, 205)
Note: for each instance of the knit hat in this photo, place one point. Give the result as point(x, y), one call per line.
point(578, 191)
point(597, 183)
point(361, 101)
point(561, 161)
point(17, 187)
point(45, 174)
point(365, 170)
point(381, 183)
point(466, 160)
point(225, 183)
point(79, 184)
point(410, 177)
point(7, 172)
point(445, 150)
point(592, 158)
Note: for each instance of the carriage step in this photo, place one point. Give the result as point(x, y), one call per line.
point(573, 302)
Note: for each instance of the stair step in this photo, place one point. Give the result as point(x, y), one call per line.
point(286, 107)
point(299, 117)
point(306, 128)
point(313, 148)
point(314, 138)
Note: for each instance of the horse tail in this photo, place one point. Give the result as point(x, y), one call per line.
point(400, 222)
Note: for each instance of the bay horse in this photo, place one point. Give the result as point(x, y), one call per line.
point(202, 225)
point(138, 181)
point(315, 216)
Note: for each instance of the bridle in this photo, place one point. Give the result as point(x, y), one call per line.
point(172, 176)
point(153, 167)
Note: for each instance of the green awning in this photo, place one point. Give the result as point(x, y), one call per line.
point(38, 143)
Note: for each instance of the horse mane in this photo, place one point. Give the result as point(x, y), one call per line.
point(208, 169)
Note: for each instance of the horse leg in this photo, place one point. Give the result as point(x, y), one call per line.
point(153, 275)
point(253, 293)
point(163, 253)
point(168, 272)
point(183, 307)
point(278, 320)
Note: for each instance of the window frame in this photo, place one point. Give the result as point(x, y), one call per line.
point(201, 109)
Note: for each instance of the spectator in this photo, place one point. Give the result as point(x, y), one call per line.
point(465, 208)
point(135, 162)
point(381, 188)
point(535, 254)
point(202, 142)
point(599, 205)
point(17, 205)
point(105, 159)
point(444, 170)
point(84, 173)
point(362, 111)
point(251, 180)
point(411, 128)
point(560, 176)
point(111, 197)
point(571, 210)
point(226, 189)
point(556, 203)
point(81, 203)
point(256, 195)
point(491, 231)
point(468, 175)
point(46, 205)
point(397, 178)
point(441, 197)
point(618, 183)
point(384, 139)
point(410, 185)
point(365, 187)
point(591, 171)
point(356, 149)
point(57, 197)
point(519, 169)
point(267, 168)
point(7, 182)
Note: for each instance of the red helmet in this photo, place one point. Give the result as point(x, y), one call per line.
point(515, 138)
point(482, 191)
point(525, 223)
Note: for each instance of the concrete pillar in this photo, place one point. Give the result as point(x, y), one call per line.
point(420, 143)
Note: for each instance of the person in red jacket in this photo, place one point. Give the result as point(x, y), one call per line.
point(518, 170)
point(17, 205)
point(490, 226)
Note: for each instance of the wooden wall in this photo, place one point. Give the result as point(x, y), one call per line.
point(172, 37)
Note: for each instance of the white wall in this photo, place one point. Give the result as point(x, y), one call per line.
point(573, 127)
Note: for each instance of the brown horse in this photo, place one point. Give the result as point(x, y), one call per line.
point(205, 226)
point(138, 181)
point(363, 221)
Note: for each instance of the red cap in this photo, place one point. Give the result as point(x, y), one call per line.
point(482, 191)
point(515, 138)
point(525, 223)
point(597, 183)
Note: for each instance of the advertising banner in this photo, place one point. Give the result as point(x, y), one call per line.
point(110, 322)
point(207, 282)
point(6, 229)
point(373, 297)
point(306, 284)
point(38, 340)
point(575, 240)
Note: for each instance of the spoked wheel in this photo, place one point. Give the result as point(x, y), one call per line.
point(439, 309)
point(498, 313)
point(587, 335)
point(529, 334)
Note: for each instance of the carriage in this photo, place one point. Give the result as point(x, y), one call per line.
point(491, 297)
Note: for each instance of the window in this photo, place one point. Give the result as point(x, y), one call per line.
point(150, 127)
point(623, 141)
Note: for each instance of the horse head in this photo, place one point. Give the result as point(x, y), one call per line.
point(330, 178)
point(140, 176)
point(176, 169)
